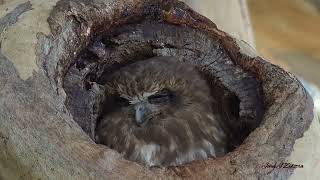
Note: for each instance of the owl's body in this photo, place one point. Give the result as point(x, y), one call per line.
point(160, 114)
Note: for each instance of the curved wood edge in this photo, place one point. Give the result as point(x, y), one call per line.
point(59, 149)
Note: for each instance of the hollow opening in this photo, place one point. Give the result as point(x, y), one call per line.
point(235, 93)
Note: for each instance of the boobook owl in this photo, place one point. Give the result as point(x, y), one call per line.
point(159, 114)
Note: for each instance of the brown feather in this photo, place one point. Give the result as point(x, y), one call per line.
point(178, 132)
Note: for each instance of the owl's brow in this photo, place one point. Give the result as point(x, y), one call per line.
point(140, 97)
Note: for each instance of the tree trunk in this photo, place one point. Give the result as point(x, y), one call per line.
point(51, 97)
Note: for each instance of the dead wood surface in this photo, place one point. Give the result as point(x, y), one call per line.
point(39, 135)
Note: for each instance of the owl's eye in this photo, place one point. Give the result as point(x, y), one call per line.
point(161, 97)
point(123, 102)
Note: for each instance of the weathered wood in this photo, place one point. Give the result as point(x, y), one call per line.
point(41, 117)
point(137, 42)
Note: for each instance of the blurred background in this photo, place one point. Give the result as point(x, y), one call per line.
point(286, 33)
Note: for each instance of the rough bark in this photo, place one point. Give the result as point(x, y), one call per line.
point(45, 127)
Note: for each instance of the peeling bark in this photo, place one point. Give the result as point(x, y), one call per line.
point(12, 17)
point(42, 134)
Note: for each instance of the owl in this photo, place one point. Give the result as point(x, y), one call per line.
point(159, 113)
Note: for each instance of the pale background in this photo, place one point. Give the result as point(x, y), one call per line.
point(287, 33)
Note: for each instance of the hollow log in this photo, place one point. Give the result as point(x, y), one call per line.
point(49, 105)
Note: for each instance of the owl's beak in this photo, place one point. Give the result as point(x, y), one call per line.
point(140, 113)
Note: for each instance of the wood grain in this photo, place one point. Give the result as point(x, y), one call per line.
point(40, 139)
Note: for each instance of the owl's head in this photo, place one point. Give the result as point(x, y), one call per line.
point(152, 90)
point(158, 112)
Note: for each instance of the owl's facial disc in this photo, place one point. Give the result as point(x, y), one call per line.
point(149, 105)
point(158, 112)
